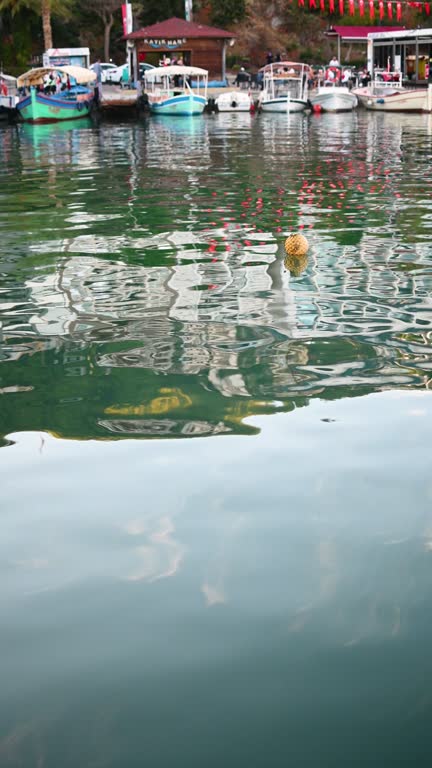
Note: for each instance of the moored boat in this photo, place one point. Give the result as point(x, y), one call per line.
point(234, 101)
point(38, 106)
point(169, 90)
point(285, 87)
point(8, 96)
point(332, 94)
point(388, 94)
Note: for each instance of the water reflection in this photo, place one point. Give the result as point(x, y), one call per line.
point(144, 290)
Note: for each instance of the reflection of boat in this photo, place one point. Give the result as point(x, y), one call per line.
point(169, 92)
point(388, 94)
point(285, 87)
point(69, 104)
point(49, 131)
point(331, 94)
point(234, 101)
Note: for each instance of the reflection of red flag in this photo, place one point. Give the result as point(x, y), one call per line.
point(398, 11)
point(351, 7)
point(341, 7)
point(361, 7)
point(381, 9)
point(371, 9)
point(389, 10)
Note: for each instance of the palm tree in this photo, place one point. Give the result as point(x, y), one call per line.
point(44, 8)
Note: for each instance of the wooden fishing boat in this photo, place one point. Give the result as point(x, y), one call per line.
point(36, 106)
point(169, 90)
point(285, 87)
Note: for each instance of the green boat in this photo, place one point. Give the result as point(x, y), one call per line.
point(69, 104)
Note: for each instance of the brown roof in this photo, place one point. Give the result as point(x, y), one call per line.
point(174, 28)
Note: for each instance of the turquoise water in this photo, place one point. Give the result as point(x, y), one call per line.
point(215, 518)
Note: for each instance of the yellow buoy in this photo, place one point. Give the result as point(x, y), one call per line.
point(296, 245)
point(296, 264)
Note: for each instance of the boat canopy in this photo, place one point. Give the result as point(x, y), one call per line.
point(7, 78)
point(36, 76)
point(174, 69)
point(285, 68)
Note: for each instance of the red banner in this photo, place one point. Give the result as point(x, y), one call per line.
point(331, 6)
point(322, 5)
point(371, 10)
point(341, 7)
point(427, 8)
point(398, 11)
point(351, 7)
point(390, 10)
point(361, 7)
point(381, 9)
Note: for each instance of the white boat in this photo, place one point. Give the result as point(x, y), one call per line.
point(285, 87)
point(387, 93)
point(169, 90)
point(234, 101)
point(8, 98)
point(332, 95)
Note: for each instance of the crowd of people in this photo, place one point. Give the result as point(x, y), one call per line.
point(333, 73)
point(55, 82)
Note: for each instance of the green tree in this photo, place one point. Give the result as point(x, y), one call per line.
point(44, 8)
point(106, 10)
point(159, 10)
point(226, 12)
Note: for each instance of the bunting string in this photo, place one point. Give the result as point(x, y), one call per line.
point(375, 7)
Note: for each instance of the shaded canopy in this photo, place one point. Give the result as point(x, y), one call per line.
point(157, 72)
point(35, 76)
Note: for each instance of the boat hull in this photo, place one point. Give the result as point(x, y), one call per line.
point(334, 100)
point(40, 108)
point(398, 100)
point(234, 101)
point(283, 105)
point(179, 105)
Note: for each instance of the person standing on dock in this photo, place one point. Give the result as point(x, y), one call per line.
point(97, 69)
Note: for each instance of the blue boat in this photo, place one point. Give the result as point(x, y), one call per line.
point(69, 104)
point(169, 92)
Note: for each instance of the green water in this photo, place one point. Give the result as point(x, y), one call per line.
point(259, 596)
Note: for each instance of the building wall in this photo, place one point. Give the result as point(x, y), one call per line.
point(204, 52)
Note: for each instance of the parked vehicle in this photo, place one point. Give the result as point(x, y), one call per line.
point(120, 75)
point(106, 68)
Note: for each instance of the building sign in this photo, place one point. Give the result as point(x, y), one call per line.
point(60, 57)
point(171, 44)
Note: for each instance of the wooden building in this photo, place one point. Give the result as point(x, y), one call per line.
point(198, 44)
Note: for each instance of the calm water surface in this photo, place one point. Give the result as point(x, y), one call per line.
point(216, 487)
